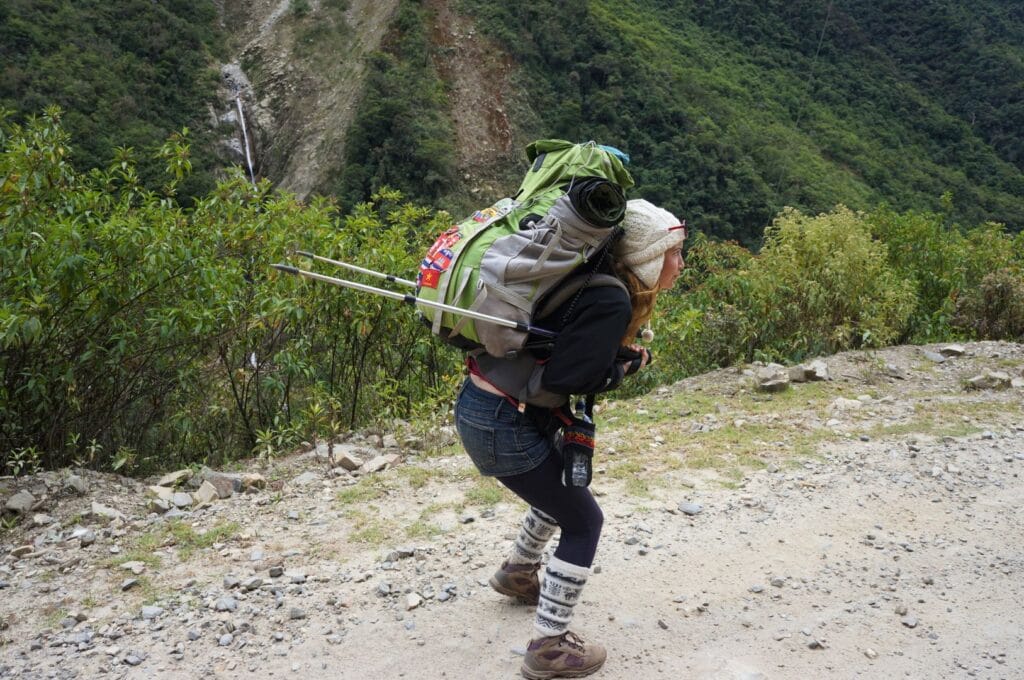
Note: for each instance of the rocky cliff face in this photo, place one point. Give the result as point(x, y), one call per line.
point(299, 69)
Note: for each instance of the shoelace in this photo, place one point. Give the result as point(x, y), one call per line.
point(573, 640)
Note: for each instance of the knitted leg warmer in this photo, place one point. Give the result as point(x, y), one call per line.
point(559, 592)
point(535, 532)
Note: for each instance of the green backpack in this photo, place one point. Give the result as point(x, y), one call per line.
point(505, 259)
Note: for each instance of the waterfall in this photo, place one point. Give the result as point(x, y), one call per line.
point(245, 138)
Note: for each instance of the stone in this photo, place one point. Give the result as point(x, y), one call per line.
point(175, 478)
point(691, 508)
point(381, 463)
point(844, 404)
point(158, 505)
point(797, 374)
point(225, 604)
point(225, 640)
point(135, 567)
point(295, 613)
point(306, 478)
point(42, 520)
point(151, 612)
point(990, 380)
point(350, 461)
point(77, 484)
point(252, 583)
point(134, 658)
point(225, 485)
point(253, 481)
point(21, 551)
point(412, 600)
point(165, 493)
point(774, 386)
point(390, 441)
point(817, 370)
point(104, 512)
point(276, 572)
point(87, 538)
point(952, 350)
point(20, 502)
point(206, 493)
point(870, 653)
point(182, 500)
point(934, 356)
point(909, 621)
point(128, 584)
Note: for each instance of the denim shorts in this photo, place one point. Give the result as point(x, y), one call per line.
point(499, 439)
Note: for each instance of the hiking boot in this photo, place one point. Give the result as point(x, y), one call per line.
point(518, 580)
point(562, 656)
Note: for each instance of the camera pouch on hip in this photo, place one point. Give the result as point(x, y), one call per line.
point(577, 446)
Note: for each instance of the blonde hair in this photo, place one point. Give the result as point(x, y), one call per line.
point(641, 299)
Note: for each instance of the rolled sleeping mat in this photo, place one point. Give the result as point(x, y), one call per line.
point(597, 200)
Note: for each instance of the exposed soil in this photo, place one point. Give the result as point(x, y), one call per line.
point(877, 540)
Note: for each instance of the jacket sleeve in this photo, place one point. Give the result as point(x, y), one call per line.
point(583, 356)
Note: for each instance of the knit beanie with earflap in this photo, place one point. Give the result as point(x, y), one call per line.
point(650, 232)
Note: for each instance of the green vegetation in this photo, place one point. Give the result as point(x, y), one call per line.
point(401, 136)
point(139, 334)
point(129, 321)
point(733, 110)
point(126, 74)
point(485, 492)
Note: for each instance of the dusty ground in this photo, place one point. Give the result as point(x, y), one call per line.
point(878, 540)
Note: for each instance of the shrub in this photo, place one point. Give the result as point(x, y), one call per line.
point(129, 324)
point(822, 284)
point(994, 310)
point(942, 261)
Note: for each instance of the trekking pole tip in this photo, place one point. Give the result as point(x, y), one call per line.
point(304, 253)
point(288, 269)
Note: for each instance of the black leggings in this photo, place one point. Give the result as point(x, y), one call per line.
point(574, 508)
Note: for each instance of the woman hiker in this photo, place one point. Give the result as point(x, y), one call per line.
point(511, 441)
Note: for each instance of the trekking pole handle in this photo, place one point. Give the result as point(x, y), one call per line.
point(413, 300)
point(352, 267)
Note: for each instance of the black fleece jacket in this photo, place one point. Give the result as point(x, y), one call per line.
point(582, 358)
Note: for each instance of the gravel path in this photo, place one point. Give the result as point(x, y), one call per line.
point(882, 540)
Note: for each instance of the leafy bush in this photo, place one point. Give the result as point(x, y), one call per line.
point(822, 284)
point(942, 261)
point(994, 310)
point(138, 333)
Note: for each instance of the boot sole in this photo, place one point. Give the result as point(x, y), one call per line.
point(512, 593)
point(532, 674)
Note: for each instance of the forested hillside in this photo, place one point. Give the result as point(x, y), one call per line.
point(731, 110)
point(126, 74)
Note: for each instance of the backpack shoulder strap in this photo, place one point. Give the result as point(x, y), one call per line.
point(574, 285)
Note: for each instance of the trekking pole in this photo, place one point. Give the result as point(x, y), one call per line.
point(352, 267)
point(413, 300)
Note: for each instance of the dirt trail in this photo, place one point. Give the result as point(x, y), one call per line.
point(882, 540)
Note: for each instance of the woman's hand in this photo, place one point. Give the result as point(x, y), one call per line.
point(637, 357)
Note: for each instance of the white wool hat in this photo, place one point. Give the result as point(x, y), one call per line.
point(650, 232)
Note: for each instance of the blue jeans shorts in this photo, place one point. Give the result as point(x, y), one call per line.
point(499, 439)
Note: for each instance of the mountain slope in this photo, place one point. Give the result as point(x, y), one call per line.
point(732, 110)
